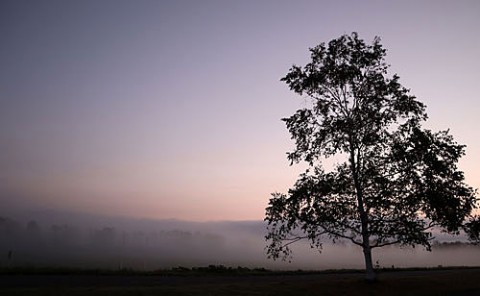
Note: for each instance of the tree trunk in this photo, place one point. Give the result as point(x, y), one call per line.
point(370, 275)
point(367, 250)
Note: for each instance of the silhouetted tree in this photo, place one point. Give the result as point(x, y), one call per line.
point(394, 181)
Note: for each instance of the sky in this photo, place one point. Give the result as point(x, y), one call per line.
point(171, 109)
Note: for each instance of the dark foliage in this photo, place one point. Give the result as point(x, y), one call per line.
point(394, 181)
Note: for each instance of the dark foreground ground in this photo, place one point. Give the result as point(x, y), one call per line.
point(402, 282)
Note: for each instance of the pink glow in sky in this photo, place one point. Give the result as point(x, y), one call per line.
point(171, 109)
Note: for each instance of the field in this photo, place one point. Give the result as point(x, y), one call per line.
point(443, 281)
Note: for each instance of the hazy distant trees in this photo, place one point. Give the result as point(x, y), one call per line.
point(33, 228)
point(64, 235)
point(9, 227)
point(105, 237)
point(394, 181)
point(34, 244)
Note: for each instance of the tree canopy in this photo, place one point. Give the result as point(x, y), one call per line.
point(394, 181)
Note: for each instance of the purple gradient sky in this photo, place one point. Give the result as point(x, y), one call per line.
point(171, 109)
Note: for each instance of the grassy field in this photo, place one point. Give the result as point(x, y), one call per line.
point(444, 281)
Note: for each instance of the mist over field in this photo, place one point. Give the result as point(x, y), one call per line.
point(66, 239)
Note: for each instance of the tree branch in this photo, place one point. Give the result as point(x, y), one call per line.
point(385, 244)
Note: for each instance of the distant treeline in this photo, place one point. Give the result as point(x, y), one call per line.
point(453, 244)
point(70, 245)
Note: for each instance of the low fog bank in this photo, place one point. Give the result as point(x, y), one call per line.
point(56, 239)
